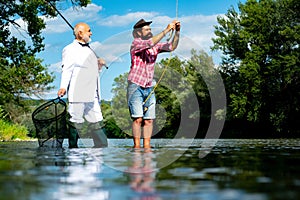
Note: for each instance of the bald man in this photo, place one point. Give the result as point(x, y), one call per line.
point(80, 80)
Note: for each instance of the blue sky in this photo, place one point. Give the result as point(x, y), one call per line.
point(111, 22)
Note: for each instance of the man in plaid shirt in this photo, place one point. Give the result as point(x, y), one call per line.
point(144, 50)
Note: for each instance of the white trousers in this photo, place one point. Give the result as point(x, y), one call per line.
point(90, 111)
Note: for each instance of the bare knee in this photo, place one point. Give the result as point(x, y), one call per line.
point(138, 121)
point(148, 122)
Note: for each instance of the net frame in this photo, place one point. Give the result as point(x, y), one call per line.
point(50, 121)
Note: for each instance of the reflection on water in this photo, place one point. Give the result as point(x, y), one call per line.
point(141, 173)
point(174, 169)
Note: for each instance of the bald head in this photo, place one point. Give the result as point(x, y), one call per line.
point(79, 27)
point(82, 32)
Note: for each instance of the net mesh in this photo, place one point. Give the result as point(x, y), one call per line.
point(50, 121)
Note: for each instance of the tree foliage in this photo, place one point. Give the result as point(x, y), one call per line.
point(23, 74)
point(261, 62)
point(119, 109)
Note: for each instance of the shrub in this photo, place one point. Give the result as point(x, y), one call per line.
point(9, 131)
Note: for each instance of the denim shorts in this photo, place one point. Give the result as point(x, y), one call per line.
point(136, 96)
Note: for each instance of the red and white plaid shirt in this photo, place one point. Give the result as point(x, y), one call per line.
point(143, 56)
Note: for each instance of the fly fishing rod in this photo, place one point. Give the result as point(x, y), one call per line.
point(51, 4)
point(165, 69)
point(59, 13)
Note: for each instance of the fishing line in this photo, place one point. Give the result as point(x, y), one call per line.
point(165, 69)
point(172, 31)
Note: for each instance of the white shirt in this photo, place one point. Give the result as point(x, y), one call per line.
point(80, 73)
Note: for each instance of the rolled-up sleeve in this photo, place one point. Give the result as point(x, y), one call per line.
point(164, 47)
point(139, 45)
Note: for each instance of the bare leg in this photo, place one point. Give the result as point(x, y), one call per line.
point(136, 131)
point(147, 131)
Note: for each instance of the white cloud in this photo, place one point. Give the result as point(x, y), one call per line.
point(197, 32)
point(113, 48)
point(56, 67)
point(125, 20)
point(19, 30)
point(57, 24)
point(72, 15)
point(199, 28)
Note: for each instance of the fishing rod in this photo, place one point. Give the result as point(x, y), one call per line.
point(49, 2)
point(53, 6)
point(172, 31)
point(165, 69)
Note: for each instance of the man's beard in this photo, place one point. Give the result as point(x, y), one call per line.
point(87, 39)
point(148, 36)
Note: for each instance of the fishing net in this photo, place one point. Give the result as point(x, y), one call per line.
point(50, 121)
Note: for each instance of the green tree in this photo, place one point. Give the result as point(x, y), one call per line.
point(118, 116)
point(209, 90)
point(22, 73)
point(261, 62)
point(168, 113)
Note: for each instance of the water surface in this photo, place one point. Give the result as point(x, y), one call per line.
point(173, 169)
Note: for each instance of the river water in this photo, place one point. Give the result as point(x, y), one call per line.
point(173, 169)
